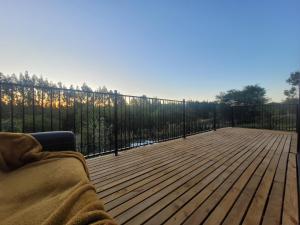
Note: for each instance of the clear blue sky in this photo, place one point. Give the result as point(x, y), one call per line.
point(173, 49)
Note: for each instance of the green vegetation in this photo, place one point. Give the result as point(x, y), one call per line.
point(291, 94)
point(249, 95)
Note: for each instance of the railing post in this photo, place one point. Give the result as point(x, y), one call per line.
point(232, 116)
point(116, 121)
point(215, 116)
point(184, 119)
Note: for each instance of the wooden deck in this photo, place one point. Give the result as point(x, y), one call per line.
point(231, 176)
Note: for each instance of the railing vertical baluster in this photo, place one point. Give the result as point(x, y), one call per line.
point(270, 117)
point(140, 120)
point(254, 114)
point(122, 122)
point(161, 120)
point(81, 122)
point(262, 117)
point(23, 109)
point(11, 109)
point(74, 112)
point(171, 119)
point(99, 123)
point(232, 116)
point(151, 122)
point(133, 121)
point(164, 123)
point(294, 117)
point(174, 119)
point(187, 125)
point(51, 109)
point(59, 111)
point(33, 110)
point(164, 119)
point(298, 127)
point(93, 113)
point(111, 122)
point(116, 122)
point(143, 120)
point(87, 123)
point(287, 125)
point(294, 122)
point(184, 118)
point(215, 117)
point(120, 125)
point(67, 102)
point(129, 123)
point(42, 107)
point(104, 120)
point(126, 121)
point(290, 118)
point(147, 121)
point(156, 119)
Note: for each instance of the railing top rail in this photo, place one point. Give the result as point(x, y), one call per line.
point(110, 93)
point(151, 98)
point(85, 92)
point(54, 88)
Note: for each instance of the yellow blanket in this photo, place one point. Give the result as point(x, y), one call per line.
point(45, 187)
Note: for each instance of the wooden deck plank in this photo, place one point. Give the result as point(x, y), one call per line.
point(231, 176)
point(291, 205)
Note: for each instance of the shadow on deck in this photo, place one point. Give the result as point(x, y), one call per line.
point(231, 176)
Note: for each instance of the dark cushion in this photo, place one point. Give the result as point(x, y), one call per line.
point(56, 140)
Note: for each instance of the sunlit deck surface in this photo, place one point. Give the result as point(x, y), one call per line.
point(230, 176)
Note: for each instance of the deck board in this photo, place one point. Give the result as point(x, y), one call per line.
point(230, 176)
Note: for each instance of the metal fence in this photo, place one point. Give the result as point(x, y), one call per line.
point(102, 122)
point(270, 116)
point(111, 122)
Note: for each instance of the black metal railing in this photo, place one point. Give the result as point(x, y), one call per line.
point(273, 116)
point(102, 122)
point(111, 122)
